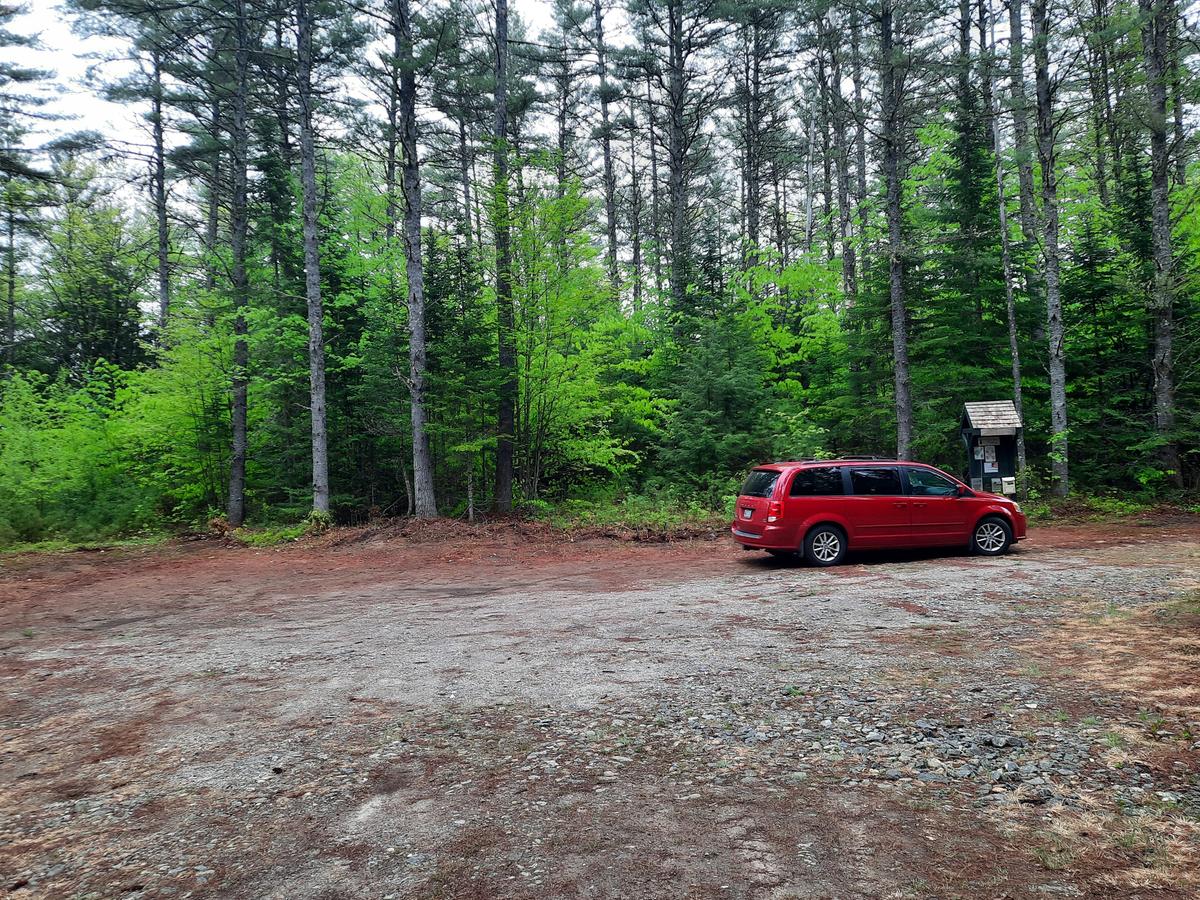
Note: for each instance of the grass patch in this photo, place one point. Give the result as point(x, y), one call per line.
point(271, 535)
point(633, 512)
point(1114, 740)
point(65, 545)
point(1101, 508)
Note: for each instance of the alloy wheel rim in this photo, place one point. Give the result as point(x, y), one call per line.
point(989, 536)
point(826, 547)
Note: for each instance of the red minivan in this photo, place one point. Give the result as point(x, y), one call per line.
point(823, 508)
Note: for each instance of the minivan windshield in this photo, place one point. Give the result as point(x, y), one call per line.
point(759, 483)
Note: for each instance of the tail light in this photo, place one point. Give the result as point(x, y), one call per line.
point(774, 510)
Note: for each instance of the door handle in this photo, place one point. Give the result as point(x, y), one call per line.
point(901, 505)
point(919, 505)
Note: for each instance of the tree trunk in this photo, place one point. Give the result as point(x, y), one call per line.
point(1006, 264)
point(9, 345)
point(464, 174)
point(752, 138)
point(506, 408)
point(610, 181)
point(1098, 129)
point(160, 191)
point(676, 157)
point(635, 211)
point(860, 118)
point(1156, 33)
point(312, 260)
point(239, 223)
point(892, 88)
point(842, 160)
point(655, 220)
point(1050, 252)
point(212, 219)
point(1020, 114)
point(826, 158)
point(808, 181)
point(425, 503)
point(1178, 98)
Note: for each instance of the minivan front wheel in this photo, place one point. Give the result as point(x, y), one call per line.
point(991, 537)
point(825, 545)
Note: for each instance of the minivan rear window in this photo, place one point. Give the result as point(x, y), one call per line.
point(759, 483)
point(875, 481)
point(821, 482)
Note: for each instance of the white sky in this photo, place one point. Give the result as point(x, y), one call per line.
point(71, 57)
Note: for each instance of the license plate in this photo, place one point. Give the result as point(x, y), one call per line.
point(747, 513)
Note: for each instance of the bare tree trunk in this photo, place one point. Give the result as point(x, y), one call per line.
point(1098, 129)
point(160, 191)
point(312, 259)
point(860, 118)
point(1155, 41)
point(9, 345)
point(635, 211)
point(426, 505)
point(1006, 263)
point(655, 220)
point(471, 490)
point(1046, 137)
point(1178, 98)
point(826, 158)
point(808, 182)
point(1020, 114)
point(464, 174)
point(752, 138)
point(842, 160)
point(212, 221)
point(239, 223)
point(610, 181)
point(892, 87)
point(506, 410)
point(676, 152)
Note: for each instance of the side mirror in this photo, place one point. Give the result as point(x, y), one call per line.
point(964, 491)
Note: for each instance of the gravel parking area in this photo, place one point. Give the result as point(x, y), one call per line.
point(502, 713)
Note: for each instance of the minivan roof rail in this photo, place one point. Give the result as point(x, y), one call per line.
point(869, 458)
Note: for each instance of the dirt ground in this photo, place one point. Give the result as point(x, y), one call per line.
point(504, 713)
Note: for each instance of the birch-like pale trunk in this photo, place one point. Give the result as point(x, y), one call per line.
point(312, 259)
point(892, 87)
point(1047, 158)
point(635, 211)
point(841, 155)
point(655, 220)
point(1006, 263)
point(1156, 35)
point(239, 225)
point(9, 345)
point(423, 495)
point(610, 179)
point(1020, 114)
point(160, 190)
point(676, 156)
point(507, 402)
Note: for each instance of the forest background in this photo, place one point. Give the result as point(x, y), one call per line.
point(371, 258)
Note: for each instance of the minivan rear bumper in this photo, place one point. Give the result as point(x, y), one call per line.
point(762, 537)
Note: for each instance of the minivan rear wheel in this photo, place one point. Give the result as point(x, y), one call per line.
point(825, 545)
point(991, 537)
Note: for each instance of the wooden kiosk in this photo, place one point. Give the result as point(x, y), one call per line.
point(989, 430)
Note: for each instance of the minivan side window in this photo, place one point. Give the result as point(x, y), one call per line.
point(759, 483)
point(821, 482)
point(924, 483)
point(875, 480)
